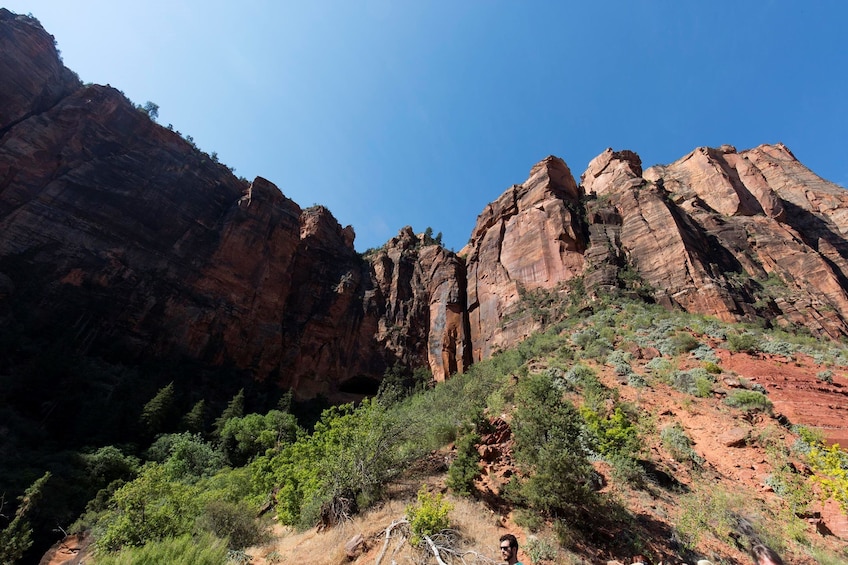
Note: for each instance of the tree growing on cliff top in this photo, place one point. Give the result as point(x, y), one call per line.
point(151, 109)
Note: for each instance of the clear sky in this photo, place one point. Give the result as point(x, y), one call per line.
point(420, 112)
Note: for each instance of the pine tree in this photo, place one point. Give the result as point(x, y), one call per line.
point(195, 419)
point(159, 409)
point(235, 409)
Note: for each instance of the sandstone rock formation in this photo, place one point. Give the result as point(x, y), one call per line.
point(144, 247)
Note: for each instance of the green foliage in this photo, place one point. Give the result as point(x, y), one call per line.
point(749, 400)
point(825, 376)
point(203, 549)
point(195, 420)
point(744, 342)
point(679, 446)
point(712, 368)
point(351, 452)
point(159, 410)
point(683, 342)
point(428, 516)
point(465, 468)
point(186, 457)
point(612, 434)
point(109, 464)
point(235, 521)
point(150, 508)
point(234, 409)
point(16, 538)
point(548, 449)
point(242, 439)
point(538, 550)
point(831, 472)
point(151, 109)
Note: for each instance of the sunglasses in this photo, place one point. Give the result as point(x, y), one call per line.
point(505, 548)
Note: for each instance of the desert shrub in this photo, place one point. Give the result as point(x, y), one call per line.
point(697, 382)
point(549, 451)
point(529, 520)
point(660, 367)
point(789, 485)
point(235, 521)
point(778, 347)
point(825, 376)
point(712, 368)
point(540, 550)
point(464, 468)
point(636, 380)
point(203, 549)
point(683, 342)
point(831, 472)
point(705, 353)
point(744, 342)
point(679, 446)
point(428, 516)
point(711, 511)
point(749, 400)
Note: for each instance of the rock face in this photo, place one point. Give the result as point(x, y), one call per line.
point(120, 239)
point(529, 238)
point(730, 234)
point(142, 247)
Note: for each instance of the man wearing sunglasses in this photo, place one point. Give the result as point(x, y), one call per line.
point(509, 549)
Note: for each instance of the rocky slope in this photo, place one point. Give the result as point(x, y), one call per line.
point(145, 247)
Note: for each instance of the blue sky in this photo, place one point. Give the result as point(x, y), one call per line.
point(395, 113)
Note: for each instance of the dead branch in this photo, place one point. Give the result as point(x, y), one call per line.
point(391, 527)
point(435, 550)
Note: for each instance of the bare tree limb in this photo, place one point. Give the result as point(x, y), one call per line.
point(435, 550)
point(389, 529)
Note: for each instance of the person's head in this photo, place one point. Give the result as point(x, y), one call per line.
point(764, 555)
point(509, 548)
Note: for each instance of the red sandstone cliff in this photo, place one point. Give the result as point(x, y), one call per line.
point(141, 246)
point(124, 239)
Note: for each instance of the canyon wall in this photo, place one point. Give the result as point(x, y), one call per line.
point(123, 240)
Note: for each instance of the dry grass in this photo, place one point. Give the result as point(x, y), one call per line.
point(479, 528)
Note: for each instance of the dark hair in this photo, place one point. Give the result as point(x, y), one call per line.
point(511, 539)
point(761, 553)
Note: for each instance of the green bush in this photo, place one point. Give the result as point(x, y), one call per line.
point(825, 376)
point(204, 549)
point(540, 550)
point(745, 342)
point(186, 457)
point(549, 451)
point(150, 508)
point(679, 446)
point(243, 438)
point(430, 515)
point(683, 342)
point(465, 468)
point(749, 400)
point(235, 521)
point(16, 537)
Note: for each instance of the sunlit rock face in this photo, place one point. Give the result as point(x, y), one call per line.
point(529, 238)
